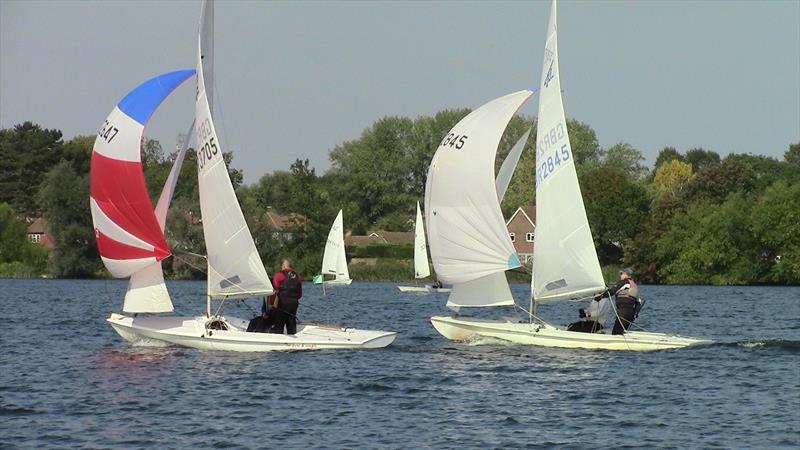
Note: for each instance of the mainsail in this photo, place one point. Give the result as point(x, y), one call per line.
point(235, 269)
point(334, 260)
point(421, 267)
point(129, 235)
point(565, 262)
point(466, 230)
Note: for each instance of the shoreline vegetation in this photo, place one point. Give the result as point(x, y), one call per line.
point(693, 218)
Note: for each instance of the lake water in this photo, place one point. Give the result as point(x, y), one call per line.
point(69, 381)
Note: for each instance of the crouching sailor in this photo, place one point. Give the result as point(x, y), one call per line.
point(593, 318)
point(627, 300)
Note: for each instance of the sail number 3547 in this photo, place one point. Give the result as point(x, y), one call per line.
point(108, 132)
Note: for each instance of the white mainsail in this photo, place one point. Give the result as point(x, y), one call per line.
point(466, 230)
point(565, 262)
point(509, 165)
point(334, 260)
point(421, 267)
point(235, 269)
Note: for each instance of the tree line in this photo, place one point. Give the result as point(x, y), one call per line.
point(693, 218)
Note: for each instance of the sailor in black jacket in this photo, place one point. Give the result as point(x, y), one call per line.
point(627, 300)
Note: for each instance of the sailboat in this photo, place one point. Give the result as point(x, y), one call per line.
point(421, 267)
point(130, 233)
point(565, 264)
point(494, 285)
point(334, 260)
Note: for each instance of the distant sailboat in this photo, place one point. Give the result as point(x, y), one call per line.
point(421, 267)
point(131, 240)
point(565, 264)
point(334, 260)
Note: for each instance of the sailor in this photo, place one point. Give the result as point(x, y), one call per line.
point(593, 318)
point(627, 300)
point(286, 299)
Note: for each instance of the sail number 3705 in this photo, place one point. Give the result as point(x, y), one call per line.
point(206, 152)
point(209, 148)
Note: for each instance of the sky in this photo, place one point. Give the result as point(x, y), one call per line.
point(295, 79)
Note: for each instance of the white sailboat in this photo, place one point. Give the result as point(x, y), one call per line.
point(421, 267)
point(565, 264)
point(131, 241)
point(334, 260)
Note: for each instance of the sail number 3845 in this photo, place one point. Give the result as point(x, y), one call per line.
point(454, 140)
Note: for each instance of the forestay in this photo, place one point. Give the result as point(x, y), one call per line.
point(129, 236)
point(565, 262)
point(421, 267)
point(466, 230)
point(235, 269)
point(334, 260)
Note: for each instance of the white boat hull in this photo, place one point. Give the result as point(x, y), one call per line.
point(426, 289)
point(346, 282)
point(191, 332)
point(546, 335)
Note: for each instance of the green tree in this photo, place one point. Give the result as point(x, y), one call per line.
point(27, 152)
point(716, 181)
point(616, 206)
point(792, 155)
point(711, 243)
point(624, 157)
point(774, 219)
point(585, 146)
point(78, 152)
point(375, 169)
point(18, 256)
point(666, 155)
point(63, 197)
point(700, 158)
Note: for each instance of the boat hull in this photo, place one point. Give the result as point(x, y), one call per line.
point(191, 332)
point(346, 282)
point(546, 335)
point(425, 289)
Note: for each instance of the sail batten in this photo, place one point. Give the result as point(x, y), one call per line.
point(466, 230)
point(235, 269)
point(565, 263)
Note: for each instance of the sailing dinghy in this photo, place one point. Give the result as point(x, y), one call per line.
point(565, 264)
point(334, 260)
point(421, 267)
point(130, 234)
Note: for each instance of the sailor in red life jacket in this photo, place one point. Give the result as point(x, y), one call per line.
point(286, 299)
point(627, 300)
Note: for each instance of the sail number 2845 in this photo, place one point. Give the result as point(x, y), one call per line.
point(556, 155)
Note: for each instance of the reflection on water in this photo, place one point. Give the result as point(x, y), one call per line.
point(75, 383)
